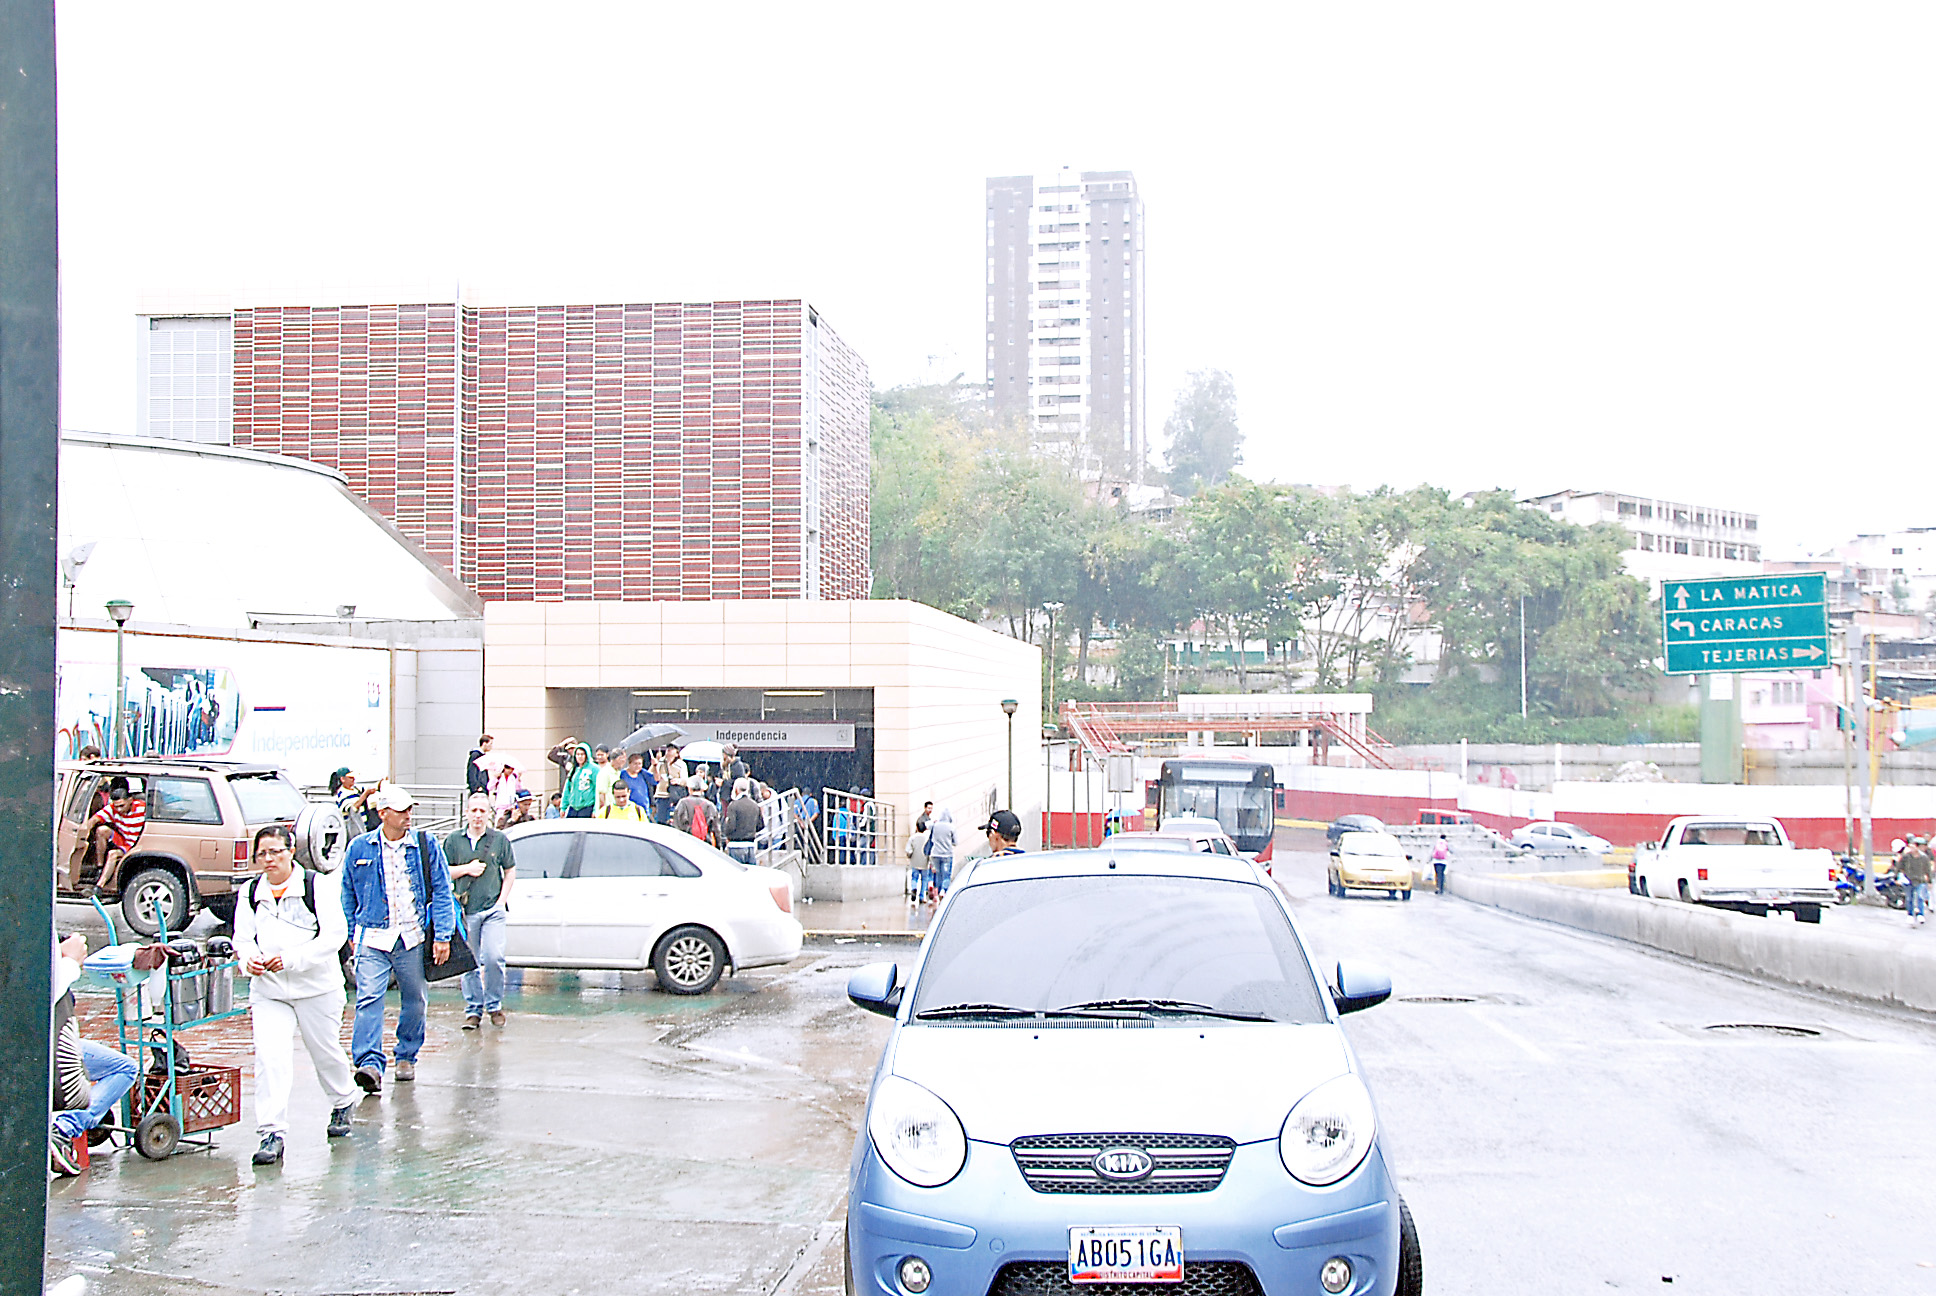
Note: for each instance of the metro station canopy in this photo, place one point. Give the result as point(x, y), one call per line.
point(208, 536)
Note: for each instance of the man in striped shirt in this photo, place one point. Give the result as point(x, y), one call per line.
point(114, 830)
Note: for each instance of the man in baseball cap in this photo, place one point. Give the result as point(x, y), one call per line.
point(1004, 829)
point(397, 897)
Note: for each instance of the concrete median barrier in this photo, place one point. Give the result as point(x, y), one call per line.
point(1781, 950)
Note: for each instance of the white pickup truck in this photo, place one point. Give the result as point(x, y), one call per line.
point(1747, 865)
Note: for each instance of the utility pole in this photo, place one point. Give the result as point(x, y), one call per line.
point(1868, 786)
point(1522, 656)
point(1052, 609)
point(1845, 729)
point(29, 608)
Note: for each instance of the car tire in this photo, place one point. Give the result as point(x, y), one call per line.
point(1643, 888)
point(151, 888)
point(847, 1257)
point(1407, 893)
point(689, 961)
point(322, 838)
point(1411, 1260)
point(1685, 897)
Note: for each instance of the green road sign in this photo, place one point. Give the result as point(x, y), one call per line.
point(1755, 623)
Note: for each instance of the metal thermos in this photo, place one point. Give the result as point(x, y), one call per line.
point(188, 982)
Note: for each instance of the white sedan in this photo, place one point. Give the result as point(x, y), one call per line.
point(592, 893)
point(1549, 836)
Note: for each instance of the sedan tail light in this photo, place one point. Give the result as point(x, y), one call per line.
point(241, 853)
point(1701, 874)
point(782, 893)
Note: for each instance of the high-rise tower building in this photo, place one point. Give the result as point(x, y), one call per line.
point(1065, 313)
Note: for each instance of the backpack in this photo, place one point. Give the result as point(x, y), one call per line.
point(346, 955)
point(700, 828)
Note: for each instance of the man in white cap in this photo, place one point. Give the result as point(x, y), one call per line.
point(396, 896)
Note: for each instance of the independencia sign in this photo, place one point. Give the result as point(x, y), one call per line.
point(1753, 624)
point(756, 736)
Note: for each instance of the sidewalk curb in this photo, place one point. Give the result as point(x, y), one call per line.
point(1797, 953)
point(851, 937)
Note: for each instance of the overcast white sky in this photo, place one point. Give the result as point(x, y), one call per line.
point(1675, 249)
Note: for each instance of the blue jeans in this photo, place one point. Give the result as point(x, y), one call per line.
point(921, 878)
point(113, 1075)
point(484, 986)
point(1918, 899)
point(373, 969)
point(1438, 867)
point(943, 869)
point(744, 852)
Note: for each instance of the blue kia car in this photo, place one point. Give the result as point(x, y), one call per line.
point(1120, 1073)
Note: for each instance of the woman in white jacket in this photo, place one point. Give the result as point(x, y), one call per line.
point(289, 933)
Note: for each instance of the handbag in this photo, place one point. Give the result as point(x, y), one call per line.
point(461, 959)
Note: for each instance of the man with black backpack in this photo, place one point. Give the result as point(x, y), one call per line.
point(289, 937)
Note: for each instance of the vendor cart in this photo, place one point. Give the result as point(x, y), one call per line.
point(174, 1105)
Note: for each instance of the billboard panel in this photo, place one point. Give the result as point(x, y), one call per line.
point(307, 707)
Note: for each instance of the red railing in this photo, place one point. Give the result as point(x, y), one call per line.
point(1106, 727)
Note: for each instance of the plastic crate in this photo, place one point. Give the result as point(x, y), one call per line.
point(211, 1096)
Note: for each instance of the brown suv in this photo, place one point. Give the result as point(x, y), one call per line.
point(195, 850)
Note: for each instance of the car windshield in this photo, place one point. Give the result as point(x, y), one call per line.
point(1361, 843)
point(266, 796)
point(1043, 944)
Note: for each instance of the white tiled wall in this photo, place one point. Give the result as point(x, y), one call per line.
point(938, 681)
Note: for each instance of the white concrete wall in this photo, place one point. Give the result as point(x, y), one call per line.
point(938, 681)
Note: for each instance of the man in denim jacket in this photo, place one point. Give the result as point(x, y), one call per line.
point(391, 918)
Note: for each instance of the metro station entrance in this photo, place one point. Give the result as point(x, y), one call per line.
point(790, 737)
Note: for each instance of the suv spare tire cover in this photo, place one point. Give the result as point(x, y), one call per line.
point(321, 838)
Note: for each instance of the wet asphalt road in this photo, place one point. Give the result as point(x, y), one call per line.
point(1574, 1128)
point(1579, 1128)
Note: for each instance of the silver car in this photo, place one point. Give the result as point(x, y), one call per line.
point(1118, 1068)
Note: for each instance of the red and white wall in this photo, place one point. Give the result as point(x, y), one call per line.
point(1624, 813)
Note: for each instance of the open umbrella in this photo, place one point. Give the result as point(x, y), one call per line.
point(703, 753)
point(652, 735)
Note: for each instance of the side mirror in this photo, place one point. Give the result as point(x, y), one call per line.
point(877, 988)
point(1358, 986)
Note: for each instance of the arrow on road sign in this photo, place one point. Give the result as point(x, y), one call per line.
point(1810, 652)
point(1680, 596)
point(1679, 624)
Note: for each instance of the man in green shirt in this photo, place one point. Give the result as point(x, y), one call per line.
point(482, 869)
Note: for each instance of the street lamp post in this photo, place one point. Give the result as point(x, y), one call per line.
point(1008, 709)
point(120, 610)
point(1052, 609)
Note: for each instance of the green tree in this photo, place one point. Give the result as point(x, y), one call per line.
point(1235, 553)
point(1590, 632)
point(1205, 443)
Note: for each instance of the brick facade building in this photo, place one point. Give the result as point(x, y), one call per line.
point(682, 451)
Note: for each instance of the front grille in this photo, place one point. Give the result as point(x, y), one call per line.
point(1182, 1163)
point(1051, 1278)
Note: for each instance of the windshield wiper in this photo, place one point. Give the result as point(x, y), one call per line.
point(1178, 1007)
point(988, 1010)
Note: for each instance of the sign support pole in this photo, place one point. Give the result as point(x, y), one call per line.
point(1720, 729)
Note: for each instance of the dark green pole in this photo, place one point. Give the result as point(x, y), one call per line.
point(29, 448)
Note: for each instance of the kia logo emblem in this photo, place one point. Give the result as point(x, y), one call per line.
point(1122, 1164)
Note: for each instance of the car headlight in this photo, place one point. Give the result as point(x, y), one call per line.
point(917, 1134)
point(1328, 1133)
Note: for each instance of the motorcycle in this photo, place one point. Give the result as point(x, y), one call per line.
point(1889, 885)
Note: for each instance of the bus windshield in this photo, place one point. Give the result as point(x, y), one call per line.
point(1238, 796)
